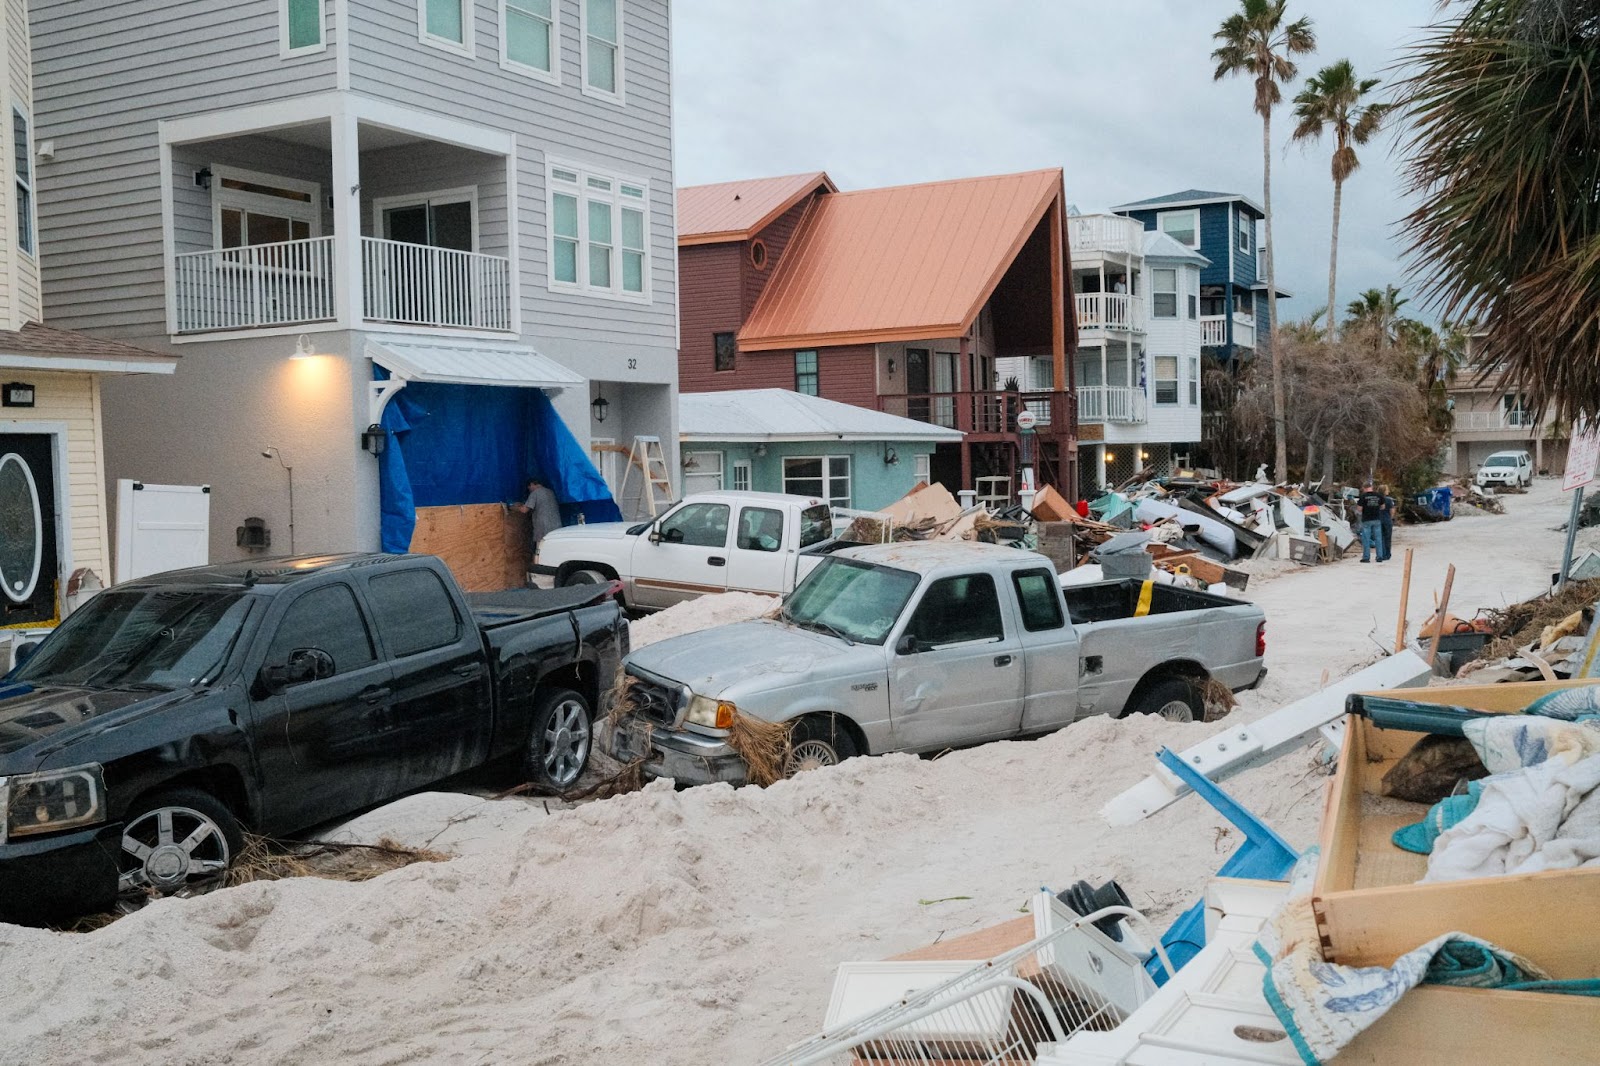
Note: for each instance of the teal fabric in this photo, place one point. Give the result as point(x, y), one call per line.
point(1473, 964)
point(1568, 704)
point(1419, 837)
point(1577, 986)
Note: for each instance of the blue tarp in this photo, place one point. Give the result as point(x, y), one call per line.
point(472, 444)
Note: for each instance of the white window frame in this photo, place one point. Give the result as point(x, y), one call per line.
point(1194, 217)
point(742, 472)
point(922, 468)
point(1194, 381)
point(827, 477)
point(582, 190)
point(31, 183)
point(463, 47)
point(247, 201)
point(1245, 228)
point(1156, 381)
point(1156, 291)
point(705, 471)
point(284, 49)
point(553, 75)
point(468, 193)
point(618, 97)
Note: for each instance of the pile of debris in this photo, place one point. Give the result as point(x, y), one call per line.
point(1543, 639)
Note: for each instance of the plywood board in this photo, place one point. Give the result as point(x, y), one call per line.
point(484, 545)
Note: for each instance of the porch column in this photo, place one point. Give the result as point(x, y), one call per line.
point(1059, 379)
point(961, 413)
point(348, 302)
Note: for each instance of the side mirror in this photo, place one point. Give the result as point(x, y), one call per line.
point(907, 645)
point(655, 536)
point(23, 652)
point(304, 664)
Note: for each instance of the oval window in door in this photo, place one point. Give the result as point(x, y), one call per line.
point(21, 529)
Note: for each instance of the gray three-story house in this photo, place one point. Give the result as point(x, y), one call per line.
point(409, 251)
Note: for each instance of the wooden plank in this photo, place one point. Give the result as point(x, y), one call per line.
point(484, 545)
point(1436, 1023)
point(978, 947)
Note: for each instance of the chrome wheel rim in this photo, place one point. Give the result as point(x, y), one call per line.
point(566, 742)
point(1176, 711)
point(811, 755)
point(172, 848)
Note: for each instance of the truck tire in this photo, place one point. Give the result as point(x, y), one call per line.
point(818, 741)
point(1176, 699)
point(561, 738)
point(584, 577)
point(176, 840)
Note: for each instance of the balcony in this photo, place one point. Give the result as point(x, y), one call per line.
point(1111, 403)
point(1110, 311)
point(1214, 330)
point(292, 283)
point(1092, 235)
point(1495, 421)
point(991, 414)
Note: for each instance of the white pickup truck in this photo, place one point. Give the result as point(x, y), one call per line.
point(710, 542)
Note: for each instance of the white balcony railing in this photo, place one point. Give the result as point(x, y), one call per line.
point(292, 282)
point(260, 285)
point(1093, 234)
point(420, 285)
point(1214, 330)
point(1244, 330)
point(1494, 420)
point(1110, 403)
point(1110, 311)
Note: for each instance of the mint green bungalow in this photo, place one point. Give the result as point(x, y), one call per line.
point(775, 440)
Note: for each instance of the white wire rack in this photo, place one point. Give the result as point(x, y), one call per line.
point(996, 1012)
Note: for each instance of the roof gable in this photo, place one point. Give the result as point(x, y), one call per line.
point(1190, 198)
point(738, 210)
point(906, 262)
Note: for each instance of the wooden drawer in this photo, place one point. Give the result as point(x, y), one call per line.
point(1369, 909)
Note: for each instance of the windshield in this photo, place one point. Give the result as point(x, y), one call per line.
point(816, 525)
point(154, 638)
point(856, 600)
point(1501, 460)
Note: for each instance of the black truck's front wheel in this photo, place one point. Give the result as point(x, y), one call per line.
point(181, 840)
point(562, 736)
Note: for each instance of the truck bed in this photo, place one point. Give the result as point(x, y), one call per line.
point(492, 609)
point(1105, 601)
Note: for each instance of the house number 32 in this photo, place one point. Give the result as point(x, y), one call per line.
point(633, 364)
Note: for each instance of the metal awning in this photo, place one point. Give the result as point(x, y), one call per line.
point(430, 359)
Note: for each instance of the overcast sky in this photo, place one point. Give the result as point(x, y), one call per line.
point(1118, 93)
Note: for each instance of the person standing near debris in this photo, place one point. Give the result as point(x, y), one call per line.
point(541, 505)
point(1371, 504)
point(1386, 523)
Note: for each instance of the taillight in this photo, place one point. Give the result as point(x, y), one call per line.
point(1261, 640)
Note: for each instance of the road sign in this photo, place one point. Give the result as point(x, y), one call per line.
point(1582, 456)
point(1026, 420)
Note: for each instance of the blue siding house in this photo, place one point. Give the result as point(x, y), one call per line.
point(1221, 226)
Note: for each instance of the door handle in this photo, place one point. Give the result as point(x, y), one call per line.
point(1002, 660)
point(470, 670)
point(374, 695)
point(717, 560)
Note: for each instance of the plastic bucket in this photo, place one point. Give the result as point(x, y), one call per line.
point(1439, 499)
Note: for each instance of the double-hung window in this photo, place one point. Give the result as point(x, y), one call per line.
point(300, 27)
point(599, 237)
point(1194, 382)
point(826, 477)
point(726, 346)
point(1164, 292)
point(1166, 380)
point(602, 48)
point(1181, 226)
point(806, 380)
point(530, 35)
point(1247, 233)
point(23, 159)
point(445, 24)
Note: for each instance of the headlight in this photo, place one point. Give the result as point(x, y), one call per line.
point(713, 714)
point(51, 801)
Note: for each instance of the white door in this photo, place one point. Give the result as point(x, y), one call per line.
point(684, 556)
point(161, 528)
point(760, 557)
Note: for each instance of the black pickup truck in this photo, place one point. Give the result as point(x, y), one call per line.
point(168, 713)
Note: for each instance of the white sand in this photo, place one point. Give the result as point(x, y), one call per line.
point(703, 926)
point(703, 613)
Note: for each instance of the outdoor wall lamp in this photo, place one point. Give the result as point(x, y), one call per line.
point(599, 406)
point(374, 439)
point(202, 178)
point(891, 366)
point(761, 451)
point(890, 456)
point(303, 348)
point(17, 394)
point(1109, 457)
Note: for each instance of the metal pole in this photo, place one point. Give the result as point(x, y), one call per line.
point(290, 469)
point(1572, 536)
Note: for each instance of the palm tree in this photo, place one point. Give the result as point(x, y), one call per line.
point(1254, 40)
point(1503, 103)
point(1332, 100)
point(1380, 312)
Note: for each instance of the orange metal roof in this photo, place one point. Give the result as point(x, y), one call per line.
point(738, 210)
point(904, 263)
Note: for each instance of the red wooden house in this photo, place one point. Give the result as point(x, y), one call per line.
point(899, 299)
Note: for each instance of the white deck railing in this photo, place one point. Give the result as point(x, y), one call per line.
point(1109, 310)
point(292, 282)
point(1093, 234)
point(1110, 403)
point(421, 285)
point(260, 285)
point(1214, 330)
point(1493, 420)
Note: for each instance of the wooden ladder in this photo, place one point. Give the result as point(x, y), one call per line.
point(651, 462)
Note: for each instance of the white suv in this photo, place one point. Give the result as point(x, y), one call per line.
point(1506, 468)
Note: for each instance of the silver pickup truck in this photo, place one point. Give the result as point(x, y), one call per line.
point(925, 646)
